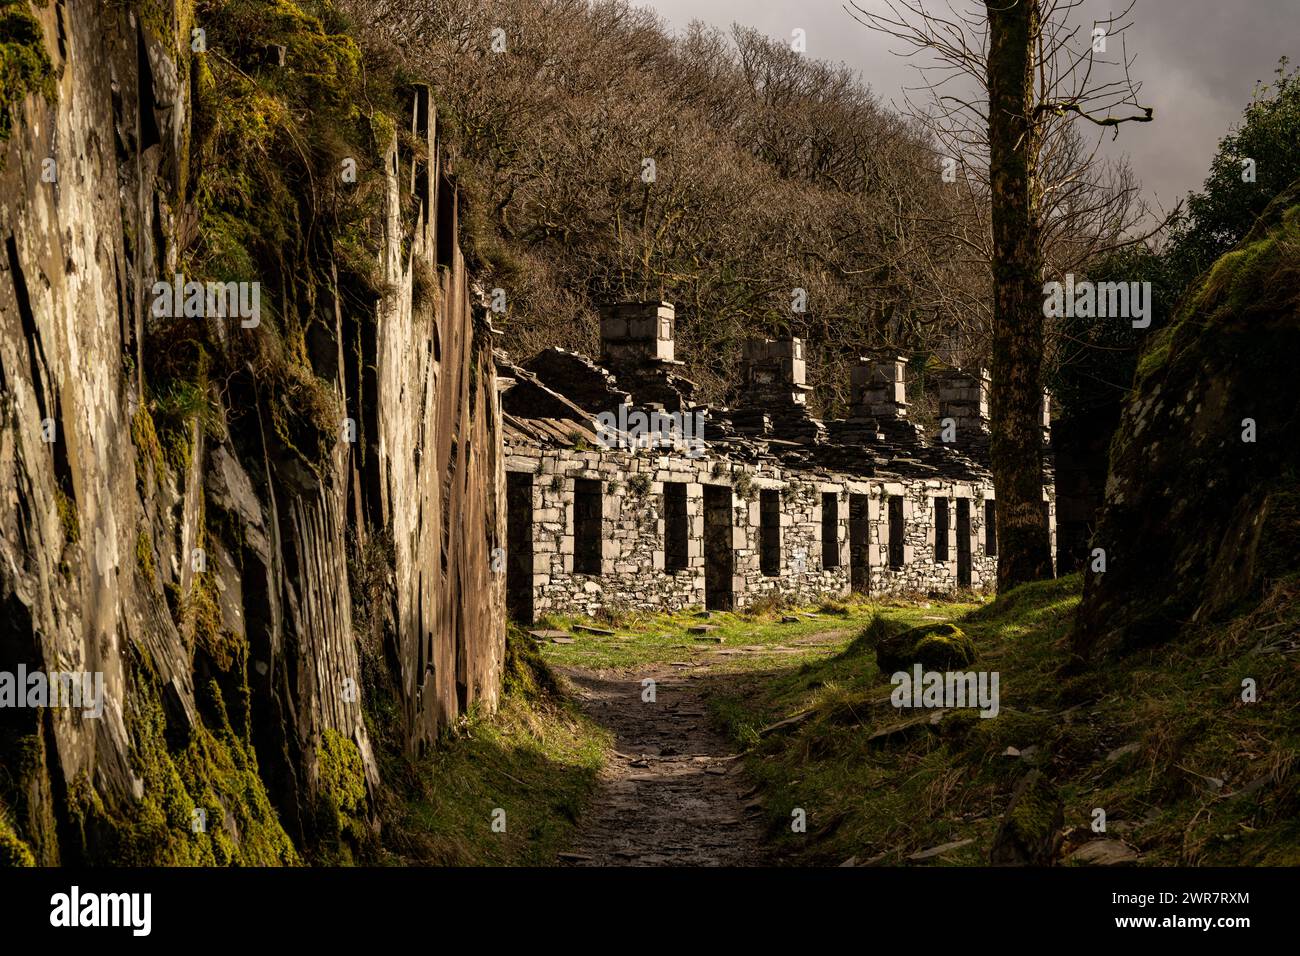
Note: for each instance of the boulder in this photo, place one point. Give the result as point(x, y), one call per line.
point(936, 647)
point(1202, 507)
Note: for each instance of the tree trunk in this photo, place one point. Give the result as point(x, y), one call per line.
point(1016, 445)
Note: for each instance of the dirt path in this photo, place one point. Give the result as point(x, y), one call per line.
point(673, 794)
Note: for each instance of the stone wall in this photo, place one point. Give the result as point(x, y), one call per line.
point(632, 541)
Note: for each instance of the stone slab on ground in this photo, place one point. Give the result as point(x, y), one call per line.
point(1105, 853)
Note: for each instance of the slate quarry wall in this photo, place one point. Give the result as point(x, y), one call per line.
point(318, 531)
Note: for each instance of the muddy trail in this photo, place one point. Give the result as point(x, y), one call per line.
point(673, 793)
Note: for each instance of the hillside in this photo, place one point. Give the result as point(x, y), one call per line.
point(759, 189)
point(1162, 742)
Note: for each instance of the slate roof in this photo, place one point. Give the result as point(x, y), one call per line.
point(553, 399)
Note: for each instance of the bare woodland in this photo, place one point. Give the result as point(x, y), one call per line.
point(762, 190)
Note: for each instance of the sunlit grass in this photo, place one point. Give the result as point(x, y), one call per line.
point(1181, 794)
point(733, 640)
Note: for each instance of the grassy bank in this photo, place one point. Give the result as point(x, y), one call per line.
point(1185, 770)
point(532, 766)
point(760, 639)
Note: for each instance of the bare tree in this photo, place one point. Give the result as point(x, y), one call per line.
point(1006, 84)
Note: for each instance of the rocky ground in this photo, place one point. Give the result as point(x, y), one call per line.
point(673, 793)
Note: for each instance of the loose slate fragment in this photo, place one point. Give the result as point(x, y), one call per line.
point(1104, 853)
point(939, 850)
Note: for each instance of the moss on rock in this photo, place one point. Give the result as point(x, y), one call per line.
point(68, 518)
point(25, 66)
point(342, 812)
point(144, 556)
point(936, 647)
point(1257, 279)
point(148, 449)
point(342, 774)
point(213, 770)
point(13, 851)
point(1030, 832)
point(1203, 443)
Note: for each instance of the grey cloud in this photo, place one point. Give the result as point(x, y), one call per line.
point(1198, 61)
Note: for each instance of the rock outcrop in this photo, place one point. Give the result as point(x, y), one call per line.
point(268, 525)
point(1202, 502)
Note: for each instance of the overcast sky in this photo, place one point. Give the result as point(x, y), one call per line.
point(1198, 60)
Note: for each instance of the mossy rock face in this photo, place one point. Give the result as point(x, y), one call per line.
point(1200, 509)
point(342, 812)
point(25, 65)
point(936, 647)
point(13, 851)
point(342, 774)
point(213, 771)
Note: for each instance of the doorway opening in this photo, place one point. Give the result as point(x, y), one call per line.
point(519, 546)
point(963, 542)
point(718, 552)
point(859, 537)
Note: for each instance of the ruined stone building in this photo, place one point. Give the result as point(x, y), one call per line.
point(622, 492)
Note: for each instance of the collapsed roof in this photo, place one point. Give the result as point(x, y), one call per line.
point(561, 399)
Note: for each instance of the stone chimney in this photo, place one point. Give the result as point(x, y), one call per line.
point(964, 397)
point(633, 333)
point(879, 387)
point(774, 371)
